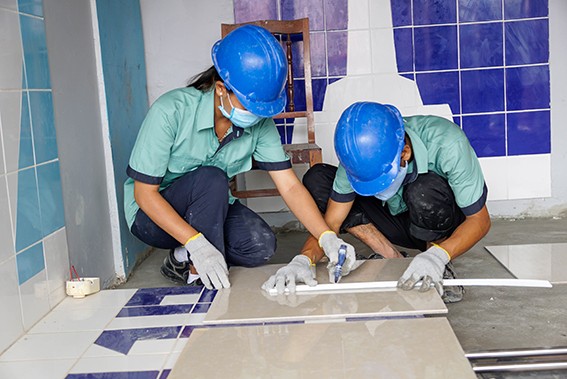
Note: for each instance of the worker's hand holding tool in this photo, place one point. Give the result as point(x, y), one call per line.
point(296, 271)
point(331, 245)
point(428, 267)
point(209, 262)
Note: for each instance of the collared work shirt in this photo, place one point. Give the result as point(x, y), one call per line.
point(440, 146)
point(178, 136)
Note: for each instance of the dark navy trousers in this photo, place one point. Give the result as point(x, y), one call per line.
point(201, 198)
point(432, 212)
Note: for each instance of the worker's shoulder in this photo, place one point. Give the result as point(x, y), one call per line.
point(179, 97)
point(434, 126)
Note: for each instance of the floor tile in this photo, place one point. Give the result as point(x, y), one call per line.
point(245, 302)
point(537, 261)
point(148, 321)
point(42, 346)
point(180, 299)
point(126, 363)
point(74, 320)
point(47, 369)
point(104, 299)
point(337, 350)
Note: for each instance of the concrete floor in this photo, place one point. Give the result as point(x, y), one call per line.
point(488, 318)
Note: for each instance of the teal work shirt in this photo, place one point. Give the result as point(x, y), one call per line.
point(439, 146)
point(178, 136)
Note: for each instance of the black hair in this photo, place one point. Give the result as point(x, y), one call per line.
point(205, 81)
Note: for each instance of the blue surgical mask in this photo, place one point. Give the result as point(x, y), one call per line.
point(395, 186)
point(239, 117)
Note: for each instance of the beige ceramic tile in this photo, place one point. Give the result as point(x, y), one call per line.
point(537, 261)
point(246, 302)
point(406, 348)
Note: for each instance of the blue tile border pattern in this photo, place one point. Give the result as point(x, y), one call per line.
point(489, 60)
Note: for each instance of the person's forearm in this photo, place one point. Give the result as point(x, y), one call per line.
point(163, 214)
point(472, 230)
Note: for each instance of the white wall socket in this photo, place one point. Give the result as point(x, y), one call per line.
point(83, 287)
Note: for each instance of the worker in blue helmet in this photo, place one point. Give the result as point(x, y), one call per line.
point(413, 182)
point(192, 141)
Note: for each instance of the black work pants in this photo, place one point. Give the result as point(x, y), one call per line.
point(432, 211)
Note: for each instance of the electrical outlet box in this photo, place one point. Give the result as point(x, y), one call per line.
point(83, 287)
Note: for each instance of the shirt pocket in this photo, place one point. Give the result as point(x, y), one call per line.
point(239, 166)
point(182, 165)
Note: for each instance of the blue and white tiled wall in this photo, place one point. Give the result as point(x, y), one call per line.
point(33, 249)
point(483, 63)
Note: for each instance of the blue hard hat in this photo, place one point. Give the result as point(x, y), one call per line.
point(369, 140)
point(252, 64)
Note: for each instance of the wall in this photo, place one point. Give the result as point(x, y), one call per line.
point(34, 259)
point(436, 57)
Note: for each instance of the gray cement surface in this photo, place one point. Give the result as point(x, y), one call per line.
point(488, 318)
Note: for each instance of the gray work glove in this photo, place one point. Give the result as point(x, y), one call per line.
point(330, 244)
point(428, 267)
point(296, 271)
point(209, 262)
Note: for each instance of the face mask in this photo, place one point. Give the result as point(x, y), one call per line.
point(239, 117)
point(395, 186)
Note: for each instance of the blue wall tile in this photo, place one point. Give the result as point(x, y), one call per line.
point(427, 12)
point(529, 133)
point(28, 222)
point(319, 87)
point(527, 42)
point(43, 125)
point(245, 11)
point(481, 45)
point(527, 87)
point(480, 10)
point(26, 144)
point(403, 40)
point(30, 262)
point(336, 14)
point(482, 90)
point(35, 52)
point(440, 88)
point(401, 13)
point(50, 198)
point(435, 48)
point(409, 76)
point(514, 9)
point(313, 9)
point(486, 134)
point(337, 53)
point(34, 7)
point(318, 57)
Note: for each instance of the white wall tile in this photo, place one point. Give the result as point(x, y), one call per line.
point(12, 180)
point(535, 184)
point(359, 60)
point(494, 170)
point(380, 13)
point(7, 245)
point(382, 47)
point(9, 4)
point(2, 166)
point(57, 265)
point(10, 108)
point(50, 346)
point(11, 324)
point(52, 369)
point(35, 299)
point(11, 48)
point(358, 14)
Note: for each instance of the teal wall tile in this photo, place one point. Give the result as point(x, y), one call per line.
point(50, 198)
point(30, 262)
point(34, 7)
point(45, 143)
point(28, 224)
point(26, 148)
point(35, 52)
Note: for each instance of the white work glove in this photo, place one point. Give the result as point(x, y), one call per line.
point(296, 271)
point(330, 244)
point(428, 267)
point(209, 262)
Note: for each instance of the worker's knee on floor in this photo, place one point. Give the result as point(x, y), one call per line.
point(253, 250)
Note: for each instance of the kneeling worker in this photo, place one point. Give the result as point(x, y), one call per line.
point(414, 182)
